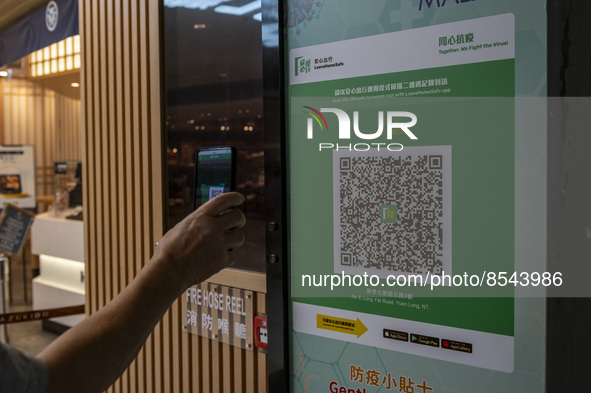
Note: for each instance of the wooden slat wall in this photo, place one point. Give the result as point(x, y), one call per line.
point(121, 121)
point(33, 115)
point(29, 117)
point(68, 136)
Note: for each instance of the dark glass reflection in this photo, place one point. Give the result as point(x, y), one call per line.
point(214, 94)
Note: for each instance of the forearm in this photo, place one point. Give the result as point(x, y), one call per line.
point(91, 356)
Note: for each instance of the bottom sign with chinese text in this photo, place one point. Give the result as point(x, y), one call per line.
point(221, 313)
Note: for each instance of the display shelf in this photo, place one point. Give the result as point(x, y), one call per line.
point(59, 242)
point(57, 236)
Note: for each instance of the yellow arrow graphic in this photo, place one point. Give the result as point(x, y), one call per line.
point(341, 325)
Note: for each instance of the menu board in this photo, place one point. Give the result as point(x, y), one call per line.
point(17, 176)
point(14, 227)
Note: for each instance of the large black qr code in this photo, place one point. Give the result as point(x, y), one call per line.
point(393, 211)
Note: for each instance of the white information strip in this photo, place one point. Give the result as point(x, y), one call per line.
point(466, 42)
point(489, 351)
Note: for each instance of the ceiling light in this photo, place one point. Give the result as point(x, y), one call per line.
point(4, 73)
point(198, 26)
point(75, 84)
point(57, 58)
point(245, 9)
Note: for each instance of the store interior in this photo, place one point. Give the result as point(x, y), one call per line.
point(40, 107)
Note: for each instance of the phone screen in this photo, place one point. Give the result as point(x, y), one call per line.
point(214, 173)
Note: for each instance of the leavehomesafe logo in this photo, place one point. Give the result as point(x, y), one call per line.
point(304, 65)
point(394, 126)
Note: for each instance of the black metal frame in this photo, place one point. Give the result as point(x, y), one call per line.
point(275, 195)
point(568, 347)
point(567, 319)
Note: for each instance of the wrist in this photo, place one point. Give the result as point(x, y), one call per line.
point(169, 274)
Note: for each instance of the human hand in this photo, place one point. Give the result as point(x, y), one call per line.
point(201, 245)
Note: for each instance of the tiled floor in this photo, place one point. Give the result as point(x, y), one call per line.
point(29, 337)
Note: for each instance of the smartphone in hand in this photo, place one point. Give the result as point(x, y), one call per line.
point(215, 173)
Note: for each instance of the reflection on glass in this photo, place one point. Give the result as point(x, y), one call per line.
point(214, 98)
